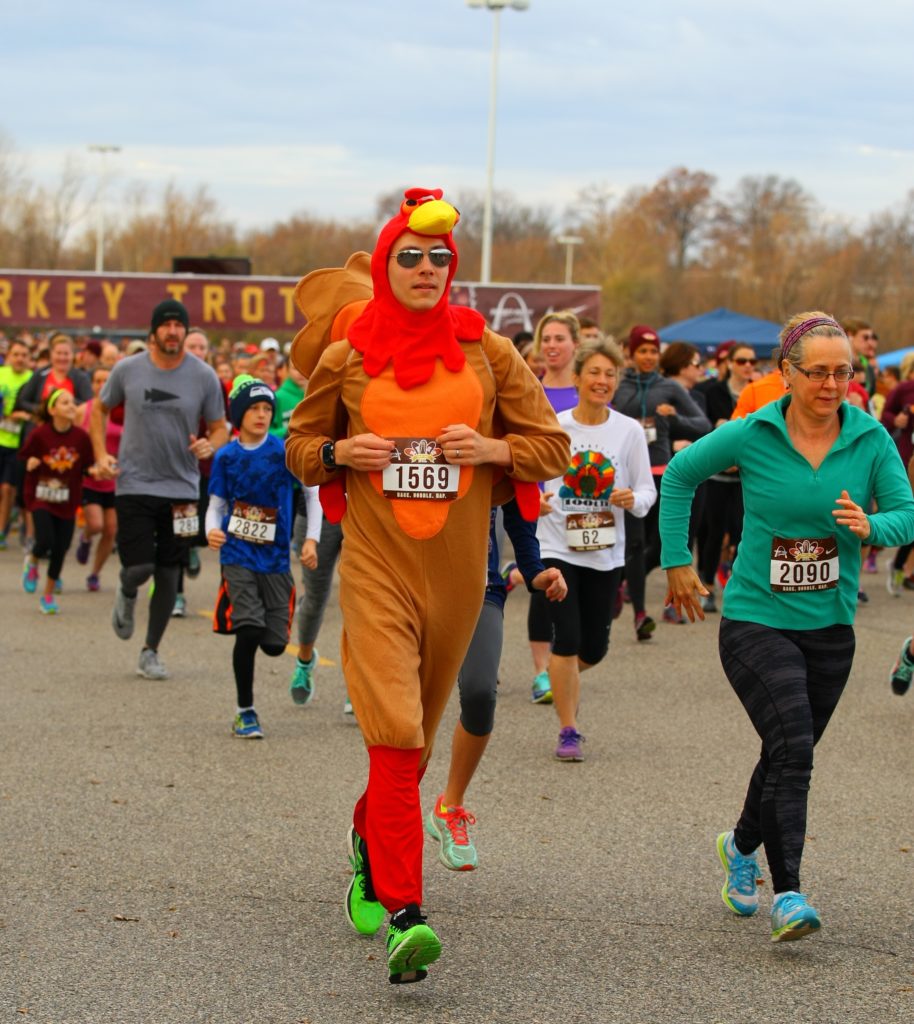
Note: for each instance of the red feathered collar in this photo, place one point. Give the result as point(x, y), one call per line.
point(387, 333)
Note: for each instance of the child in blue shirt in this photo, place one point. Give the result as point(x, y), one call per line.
point(249, 522)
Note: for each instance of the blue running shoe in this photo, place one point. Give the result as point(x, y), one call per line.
point(743, 874)
point(792, 918)
point(30, 576)
point(542, 689)
point(247, 725)
point(48, 605)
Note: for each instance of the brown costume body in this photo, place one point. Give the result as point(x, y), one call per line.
point(413, 572)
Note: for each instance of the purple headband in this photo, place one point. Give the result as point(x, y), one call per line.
point(803, 328)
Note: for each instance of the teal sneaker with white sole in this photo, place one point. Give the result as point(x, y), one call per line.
point(541, 692)
point(302, 686)
point(411, 946)
point(792, 917)
point(457, 852)
point(740, 891)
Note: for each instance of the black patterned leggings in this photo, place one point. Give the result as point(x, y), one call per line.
point(789, 682)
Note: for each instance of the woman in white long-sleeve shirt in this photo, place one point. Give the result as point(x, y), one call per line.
point(582, 530)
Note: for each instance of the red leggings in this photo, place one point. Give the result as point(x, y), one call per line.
point(388, 816)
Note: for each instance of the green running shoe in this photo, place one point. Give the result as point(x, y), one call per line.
point(363, 911)
point(411, 946)
point(457, 851)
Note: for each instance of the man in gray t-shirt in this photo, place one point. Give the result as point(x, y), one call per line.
point(164, 394)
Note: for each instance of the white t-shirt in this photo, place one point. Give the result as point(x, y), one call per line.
point(604, 457)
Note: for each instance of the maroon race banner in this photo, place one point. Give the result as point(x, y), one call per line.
point(101, 303)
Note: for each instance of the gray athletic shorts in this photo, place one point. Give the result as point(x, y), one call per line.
point(263, 600)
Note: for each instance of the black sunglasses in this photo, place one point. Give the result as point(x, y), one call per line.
point(743, 360)
point(440, 256)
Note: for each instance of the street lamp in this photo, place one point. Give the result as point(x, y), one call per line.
point(569, 241)
point(103, 152)
point(495, 6)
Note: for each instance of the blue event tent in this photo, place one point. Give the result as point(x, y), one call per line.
point(893, 358)
point(709, 330)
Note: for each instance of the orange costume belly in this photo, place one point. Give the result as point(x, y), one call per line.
point(423, 412)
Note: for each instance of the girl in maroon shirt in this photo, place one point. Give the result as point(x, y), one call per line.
point(56, 455)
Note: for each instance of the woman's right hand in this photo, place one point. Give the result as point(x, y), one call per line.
point(684, 590)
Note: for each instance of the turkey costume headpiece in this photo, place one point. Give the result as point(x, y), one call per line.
point(387, 333)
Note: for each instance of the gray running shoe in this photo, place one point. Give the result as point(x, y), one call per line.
point(122, 615)
point(150, 667)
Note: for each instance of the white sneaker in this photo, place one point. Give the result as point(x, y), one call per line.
point(150, 667)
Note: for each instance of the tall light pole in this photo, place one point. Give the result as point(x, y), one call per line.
point(569, 241)
point(103, 152)
point(495, 6)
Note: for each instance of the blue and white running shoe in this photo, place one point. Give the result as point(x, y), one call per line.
point(743, 874)
point(792, 917)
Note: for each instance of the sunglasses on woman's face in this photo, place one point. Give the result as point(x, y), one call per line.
point(440, 256)
point(744, 361)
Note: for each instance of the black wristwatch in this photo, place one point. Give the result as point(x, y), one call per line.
point(328, 458)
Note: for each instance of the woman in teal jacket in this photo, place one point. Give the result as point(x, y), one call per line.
point(810, 465)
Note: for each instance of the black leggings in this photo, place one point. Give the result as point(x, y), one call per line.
point(723, 515)
point(582, 621)
point(53, 536)
point(248, 639)
point(642, 549)
point(901, 556)
point(789, 682)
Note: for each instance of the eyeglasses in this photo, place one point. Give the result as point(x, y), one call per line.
point(745, 361)
point(440, 256)
point(818, 376)
point(695, 362)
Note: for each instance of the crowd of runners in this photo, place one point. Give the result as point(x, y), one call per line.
point(574, 482)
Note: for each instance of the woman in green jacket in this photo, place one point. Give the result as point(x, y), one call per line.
point(810, 466)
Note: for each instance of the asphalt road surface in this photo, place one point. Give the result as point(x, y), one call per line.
point(156, 869)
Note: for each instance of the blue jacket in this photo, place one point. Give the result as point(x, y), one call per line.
point(526, 550)
point(785, 498)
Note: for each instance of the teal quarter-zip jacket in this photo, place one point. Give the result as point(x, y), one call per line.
point(787, 503)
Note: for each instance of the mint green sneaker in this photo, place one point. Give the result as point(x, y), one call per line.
point(363, 911)
point(457, 852)
point(411, 946)
point(542, 689)
point(792, 917)
point(302, 686)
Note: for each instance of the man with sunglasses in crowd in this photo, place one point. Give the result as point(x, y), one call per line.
point(864, 343)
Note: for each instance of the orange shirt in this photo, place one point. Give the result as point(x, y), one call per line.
point(760, 392)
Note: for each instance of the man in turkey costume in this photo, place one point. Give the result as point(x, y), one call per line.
point(406, 425)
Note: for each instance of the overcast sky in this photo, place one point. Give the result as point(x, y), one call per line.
point(299, 105)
